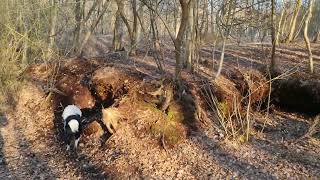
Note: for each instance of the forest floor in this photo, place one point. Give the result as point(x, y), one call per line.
point(31, 149)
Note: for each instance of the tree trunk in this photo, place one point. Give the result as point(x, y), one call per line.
point(225, 32)
point(294, 21)
point(305, 34)
point(175, 20)
point(178, 41)
point(211, 14)
point(221, 58)
point(134, 28)
point(190, 43)
point(316, 37)
point(280, 22)
point(78, 25)
point(274, 40)
point(52, 33)
point(77, 30)
point(117, 33)
point(300, 26)
point(132, 31)
point(158, 53)
point(93, 27)
point(284, 24)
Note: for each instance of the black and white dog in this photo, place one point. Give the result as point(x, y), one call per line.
point(72, 125)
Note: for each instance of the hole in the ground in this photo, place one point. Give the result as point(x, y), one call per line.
point(105, 98)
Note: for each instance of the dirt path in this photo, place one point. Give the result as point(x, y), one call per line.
point(30, 148)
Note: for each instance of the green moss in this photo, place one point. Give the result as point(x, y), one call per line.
point(151, 106)
point(168, 125)
point(175, 113)
point(173, 132)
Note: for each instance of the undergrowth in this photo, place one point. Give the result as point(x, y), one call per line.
point(23, 41)
point(231, 118)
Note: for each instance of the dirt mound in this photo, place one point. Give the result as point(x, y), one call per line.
point(112, 98)
point(298, 92)
point(223, 94)
point(251, 83)
point(93, 131)
point(258, 86)
point(40, 72)
point(233, 94)
point(31, 150)
point(75, 92)
point(110, 84)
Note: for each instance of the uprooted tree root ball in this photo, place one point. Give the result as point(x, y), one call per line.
point(233, 100)
point(112, 98)
point(232, 97)
point(298, 92)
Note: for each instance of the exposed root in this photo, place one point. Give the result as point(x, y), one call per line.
point(111, 118)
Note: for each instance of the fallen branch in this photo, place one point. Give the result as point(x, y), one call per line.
point(54, 90)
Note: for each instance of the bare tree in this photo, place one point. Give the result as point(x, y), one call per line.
point(117, 32)
point(52, 32)
point(273, 36)
point(316, 36)
point(294, 21)
point(132, 30)
point(77, 29)
point(93, 26)
point(305, 34)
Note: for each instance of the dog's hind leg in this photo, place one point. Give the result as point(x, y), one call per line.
point(76, 143)
point(77, 139)
point(67, 140)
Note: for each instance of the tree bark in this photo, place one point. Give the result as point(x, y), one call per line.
point(77, 30)
point(93, 26)
point(317, 35)
point(190, 40)
point(280, 22)
point(158, 53)
point(132, 31)
point(52, 33)
point(274, 40)
point(117, 33)
point(182, 29)
point(294, 21)
point(305, 34)
point(134, 28)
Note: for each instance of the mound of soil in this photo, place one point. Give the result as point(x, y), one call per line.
point(299, 92)
point(223, 94)
point(93, 131)
point(31, 147)
point(122, 96)
point(110, 84)
point(232, 95)
point(76, 93)
point(251, 83)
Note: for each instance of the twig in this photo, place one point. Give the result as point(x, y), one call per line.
point(163, 143)
point(54, 90)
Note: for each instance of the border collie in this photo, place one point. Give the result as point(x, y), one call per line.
point(72, 125)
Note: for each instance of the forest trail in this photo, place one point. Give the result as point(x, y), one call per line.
point(31, 149)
